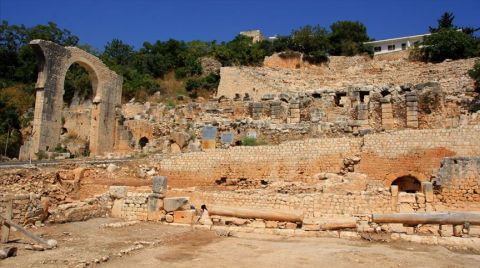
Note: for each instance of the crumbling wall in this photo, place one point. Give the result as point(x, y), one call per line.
point(457, 186)
point(344, 72)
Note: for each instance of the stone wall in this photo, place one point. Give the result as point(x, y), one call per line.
point(384, 157)
point(312, 205)
point(419, 153)
point(458, 184)
point(295, 160)
point(344, 72)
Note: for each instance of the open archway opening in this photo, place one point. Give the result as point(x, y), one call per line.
point(143, 142)
point(78, 92)
point(408, 184)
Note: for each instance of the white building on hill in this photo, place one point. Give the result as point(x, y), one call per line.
point(395, 44)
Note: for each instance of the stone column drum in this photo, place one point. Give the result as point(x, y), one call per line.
point(412, 109)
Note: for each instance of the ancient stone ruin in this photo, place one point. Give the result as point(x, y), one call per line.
point(53, 63)
point(380, 149)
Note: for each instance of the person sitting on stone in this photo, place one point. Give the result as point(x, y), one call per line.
point(204, 216)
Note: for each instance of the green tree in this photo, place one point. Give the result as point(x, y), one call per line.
point(18, 60)
point(312, 41)
point(347, 38)
point(309, 39)
point(77, 80)
point(118, 53)
point(10, 137)
point(444, 22)
point(448, 44)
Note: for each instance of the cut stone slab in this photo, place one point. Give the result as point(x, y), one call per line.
point(159, 184)
point(311, 227)
point(446, 230)
point(118, 191)
point(271, 224)
point(184, 216)
point(175, 203)
point(155, 203)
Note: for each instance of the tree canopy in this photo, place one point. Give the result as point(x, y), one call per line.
point(449, 41)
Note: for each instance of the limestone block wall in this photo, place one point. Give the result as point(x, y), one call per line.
point(463, 141)
point(77, 123)
point(384, 157)
point(313, 205)
point(387, 156)
point(140, 129)
point(133, 206)
point(136, 204)
point(458, 184)
point(295, 160)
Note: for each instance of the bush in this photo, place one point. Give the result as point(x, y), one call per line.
point(193, 84)
point(475, 74)
point(448, 44)
point(208, 82)
point(41, 155)
point(59, 149)
point(249, 141)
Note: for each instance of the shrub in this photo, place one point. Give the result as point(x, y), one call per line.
point(448, 44)
point(475, 74)
point(249, 141)
point(208, 82)
point(192, 84)
point(59, 149)
point(41, 155)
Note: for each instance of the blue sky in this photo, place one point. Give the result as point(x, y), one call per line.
point(98, 21)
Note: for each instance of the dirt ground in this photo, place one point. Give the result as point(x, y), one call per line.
point(174, 246)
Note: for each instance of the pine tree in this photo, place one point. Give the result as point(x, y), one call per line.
point(445, 22)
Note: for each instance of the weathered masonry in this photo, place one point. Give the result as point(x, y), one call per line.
point(53, 63)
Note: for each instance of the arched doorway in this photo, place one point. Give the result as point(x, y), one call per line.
point(143, 142)
point(408, 184)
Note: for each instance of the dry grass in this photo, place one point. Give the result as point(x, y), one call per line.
point(17, 97)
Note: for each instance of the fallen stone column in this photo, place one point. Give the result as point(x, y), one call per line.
point(49, 244)
point(455, 218)
point(272, 215)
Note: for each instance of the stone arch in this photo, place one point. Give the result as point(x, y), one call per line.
point(409, 184)
point(54, 62)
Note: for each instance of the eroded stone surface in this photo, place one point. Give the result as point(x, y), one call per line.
point(53, 62)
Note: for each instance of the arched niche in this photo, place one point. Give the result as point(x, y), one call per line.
point(409, 184)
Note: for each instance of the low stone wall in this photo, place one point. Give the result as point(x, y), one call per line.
point(384, 157)
point(22, 208)
point(135, 205)
point(312, 205)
